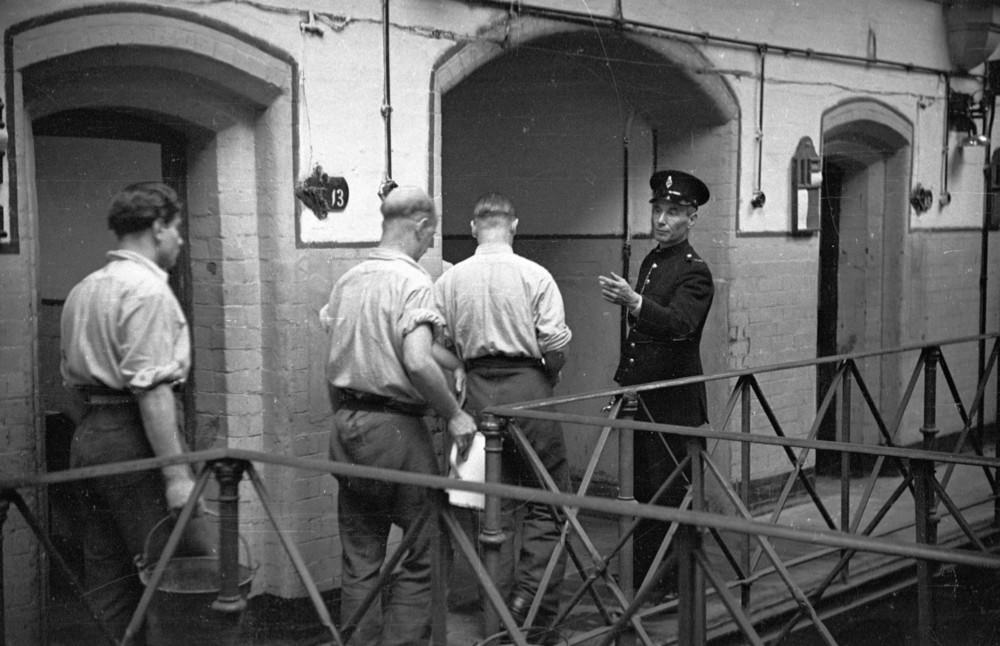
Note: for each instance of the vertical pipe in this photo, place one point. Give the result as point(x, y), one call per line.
point(491, 537)
point(626, 228)
point(762, 50)
point(228, 474)
point(626, 493)
point(984, 246)
point(945, 198)
point(386, 100)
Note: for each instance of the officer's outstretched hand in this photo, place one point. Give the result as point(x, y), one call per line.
point(615, 289)
point(462, 427)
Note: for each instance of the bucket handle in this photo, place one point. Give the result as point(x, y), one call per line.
point(142, 561)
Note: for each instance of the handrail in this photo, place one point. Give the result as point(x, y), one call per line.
point(590, 503)
point(748, 438)
point(743, 372)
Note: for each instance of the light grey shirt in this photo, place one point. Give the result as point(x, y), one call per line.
point(370, 311)
point(496, 302)
point(123, 328)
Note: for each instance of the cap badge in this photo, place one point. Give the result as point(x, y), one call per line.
point(669, 182)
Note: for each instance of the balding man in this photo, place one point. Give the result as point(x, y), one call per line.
point(382, 377)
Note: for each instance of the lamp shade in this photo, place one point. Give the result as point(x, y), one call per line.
point(973, 32)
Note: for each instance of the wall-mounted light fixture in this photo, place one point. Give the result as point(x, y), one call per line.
point(807, 178)
point(962, 111)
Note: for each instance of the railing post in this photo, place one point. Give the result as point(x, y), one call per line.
point(924, 499)
point(845, 460)
point(626, 493)
point(929, 430)
point(228, 474)
point(925, 505)
point(745, 476)
point(996, 431)
point(690, 579)
point(491, 536)
point(439, 570)
point(4, 506)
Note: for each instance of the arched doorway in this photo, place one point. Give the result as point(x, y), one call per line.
point(575, 123)
point(140, 92)
point(866, 169)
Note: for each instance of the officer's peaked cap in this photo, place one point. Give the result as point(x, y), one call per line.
point(678, 186)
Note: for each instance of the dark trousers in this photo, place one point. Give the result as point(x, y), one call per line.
point(656, 456)
point(120, 512)
point(530, 526)
point(367, 511)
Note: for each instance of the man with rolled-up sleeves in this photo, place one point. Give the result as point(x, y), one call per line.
point(125, 346)
point(506, 322)
point(383, 379)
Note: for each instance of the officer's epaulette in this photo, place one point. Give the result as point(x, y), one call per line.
point(693, 258)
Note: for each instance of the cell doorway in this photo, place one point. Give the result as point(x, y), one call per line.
point(866, 169)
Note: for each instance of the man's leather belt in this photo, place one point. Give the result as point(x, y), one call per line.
point(101, 396)
point(502, 361)
point(359, 400)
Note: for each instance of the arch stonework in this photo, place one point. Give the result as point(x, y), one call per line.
point(896, 130)
point(464, 59)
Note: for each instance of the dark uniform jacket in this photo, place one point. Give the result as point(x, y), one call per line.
point(663, 341)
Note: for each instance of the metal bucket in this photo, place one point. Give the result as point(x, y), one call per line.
point(181, 611)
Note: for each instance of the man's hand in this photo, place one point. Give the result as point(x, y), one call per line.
point(178, 492)
point(460, 375)
point(462, 427)
point(615, 289)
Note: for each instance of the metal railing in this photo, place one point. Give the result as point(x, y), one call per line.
point(622, 606)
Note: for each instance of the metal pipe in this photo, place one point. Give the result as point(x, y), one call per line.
point(386, 98)
point(228, 474)
point(745, 475)
point(626, 228)
point(845, 458)
point(984, 247)
point(492, 537)
point(589, 19)
point(626, 494)
point(945, 197)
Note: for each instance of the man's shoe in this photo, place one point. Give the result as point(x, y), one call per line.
point(519, 607)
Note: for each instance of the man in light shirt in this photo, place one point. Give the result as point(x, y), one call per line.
point(506, 322)
point(382, 377)
point(125, 345)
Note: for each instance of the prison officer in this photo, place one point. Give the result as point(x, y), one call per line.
point(125, 345)
point(382, 375)
point(666, 315)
